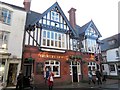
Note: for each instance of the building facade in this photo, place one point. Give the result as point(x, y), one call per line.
point(12, 23)
point(52, 41)
point(111, 55)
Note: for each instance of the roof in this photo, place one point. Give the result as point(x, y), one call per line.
point(81, 30)
point(32, 17)
point(39, 16)
point(14, 6)
point(106, 46)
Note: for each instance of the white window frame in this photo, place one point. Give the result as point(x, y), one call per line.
point(91, 65)
point(63, 39)
point(7, 19)
point(78, 68)
point(4, 39)
point(54, 16)
point(52, 65)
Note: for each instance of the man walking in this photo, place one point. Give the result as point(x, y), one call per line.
point(98, 76)
point(90, 77)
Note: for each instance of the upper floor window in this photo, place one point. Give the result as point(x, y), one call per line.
point(6, 14)
point(91, 45)
point(53, 39)
point(117, 53)
point(54, 16)
point(3, 39)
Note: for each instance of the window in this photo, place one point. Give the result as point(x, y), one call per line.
point(3, 39)
point(92, 66)
point(91, 45)
point(6, 14)
point(112, 68)
point(53, 66)
point(77, 64)
point(54, 16)
point(117, 54)
point(53, 39)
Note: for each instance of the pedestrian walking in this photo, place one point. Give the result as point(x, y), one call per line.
point(50, 80)
point(104, 76)
point(98, 76)
point(90, 77)
point(47, 75)
point(19, 81)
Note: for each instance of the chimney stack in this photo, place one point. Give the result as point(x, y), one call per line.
point(72, 17)
point(27, 4)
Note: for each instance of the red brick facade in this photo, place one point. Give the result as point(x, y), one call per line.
point(65, 77)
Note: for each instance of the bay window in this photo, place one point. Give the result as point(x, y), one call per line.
point(53, 39)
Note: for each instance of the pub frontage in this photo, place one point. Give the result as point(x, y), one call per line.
point(51, 41)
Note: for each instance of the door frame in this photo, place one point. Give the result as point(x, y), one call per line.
point(72, 65)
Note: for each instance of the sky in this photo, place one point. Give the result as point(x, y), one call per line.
point(104, 13)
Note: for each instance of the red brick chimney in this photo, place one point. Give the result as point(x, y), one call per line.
point(72, 17)
point(26, 4)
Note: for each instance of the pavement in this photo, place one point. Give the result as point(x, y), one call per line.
point(110, 84)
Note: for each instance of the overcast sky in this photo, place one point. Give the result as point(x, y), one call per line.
point(104, 13)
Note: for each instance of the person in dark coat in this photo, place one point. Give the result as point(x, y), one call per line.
point(47, 74)
point(19, 81)
point(104, 76)
point(98, 76)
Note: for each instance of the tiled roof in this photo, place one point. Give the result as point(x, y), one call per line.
point(32, 17)
point(14, 6)
point(81, 30)
point(106, 46)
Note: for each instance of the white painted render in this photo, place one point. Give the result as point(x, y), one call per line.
point(111, 55)
point(16, 30)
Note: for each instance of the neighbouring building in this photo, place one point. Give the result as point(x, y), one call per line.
point(12, 23)
point(111, 55)
point(52, 41)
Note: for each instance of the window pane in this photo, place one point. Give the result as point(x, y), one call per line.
point(55, 43)
point(48, 42)
point(44, 41)
point(55, 36)
point(44, 33)
point(48, 34)
point(52, 62)
point(52, 43)
point(59, 36)
point(52, 35)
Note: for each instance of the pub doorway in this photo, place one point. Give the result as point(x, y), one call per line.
point(75, 67)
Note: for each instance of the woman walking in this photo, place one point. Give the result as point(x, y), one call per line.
point(50, 81)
